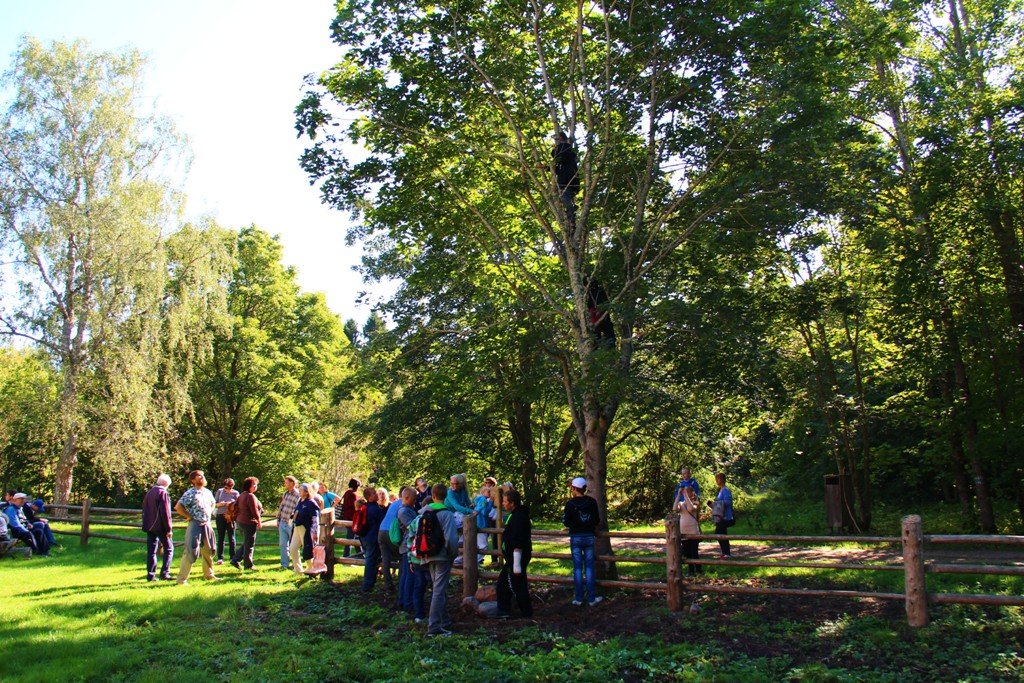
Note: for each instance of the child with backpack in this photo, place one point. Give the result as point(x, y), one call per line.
point(436, 545)
point(581, 517)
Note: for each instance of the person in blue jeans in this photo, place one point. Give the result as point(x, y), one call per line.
point(368, 538)
point(721, 513)
point(581, 517)
point(406, 514)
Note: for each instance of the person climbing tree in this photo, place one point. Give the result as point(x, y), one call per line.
point(566, 175)
point(600, 316)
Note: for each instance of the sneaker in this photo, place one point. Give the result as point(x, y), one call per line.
point(595, 601)
point(165, 577)
point(182, 582)
point(150, 577)
point(725, 557)
point(443, 632)
point(419, 620)
point(213, 578)
point(577, 603)
point(502, 614)
point(235, 564)
point(220, 561)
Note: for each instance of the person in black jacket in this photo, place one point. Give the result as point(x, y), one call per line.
point(517, 547)
point(566, 175)
point(581, 517)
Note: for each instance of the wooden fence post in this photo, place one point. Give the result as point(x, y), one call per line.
point(499, 523)
point(83, 538)
point(327, 540)
point(470, 571)
point(673, 563)
point(913, 572)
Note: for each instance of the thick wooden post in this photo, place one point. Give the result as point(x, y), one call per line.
point(470, 571)
point(913, 571)
point(83, 538)
point(673, 563)
point(499, 523)
point(327, 540)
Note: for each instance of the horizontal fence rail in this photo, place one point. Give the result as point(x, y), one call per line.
point(912, 543)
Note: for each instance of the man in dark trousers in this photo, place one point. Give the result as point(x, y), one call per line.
point(348, 510)
point(156, 522)
point(581, 517)
point(516, 547)
point(368, 538)
point(566, 175)
point(440, 563)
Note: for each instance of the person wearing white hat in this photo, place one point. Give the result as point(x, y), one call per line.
point(17, 525)
point(581, 517)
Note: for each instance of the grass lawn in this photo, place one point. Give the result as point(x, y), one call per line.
point(88, 614)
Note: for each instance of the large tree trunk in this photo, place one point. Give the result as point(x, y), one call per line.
point(520, 424)
point(964, 415)
point(69, 427)
point(1001, 226)
point(595, 464)
point(839, 423)
point(864, 488)
point(956, 452)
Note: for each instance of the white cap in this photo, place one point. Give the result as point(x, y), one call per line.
point(19, 495)
point(578, 483)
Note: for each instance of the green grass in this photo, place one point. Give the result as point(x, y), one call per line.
point(88, 615)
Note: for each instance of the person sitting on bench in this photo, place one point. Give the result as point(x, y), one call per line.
point(16, 522)
point(32, 511)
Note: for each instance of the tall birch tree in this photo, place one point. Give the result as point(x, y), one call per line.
point(84, 203)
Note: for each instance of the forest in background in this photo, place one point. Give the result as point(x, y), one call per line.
point(801, 220)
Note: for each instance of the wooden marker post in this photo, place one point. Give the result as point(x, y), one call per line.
point(470, 571)
point(327, 540)
point(86, 508)
point(913, 572)
point(673, 563)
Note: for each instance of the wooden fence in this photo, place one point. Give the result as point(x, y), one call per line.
point(914, 565)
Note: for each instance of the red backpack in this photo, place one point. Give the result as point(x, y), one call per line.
point(429, 535)
point(359, 521)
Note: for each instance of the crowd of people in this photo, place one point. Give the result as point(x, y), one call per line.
point(417, 532)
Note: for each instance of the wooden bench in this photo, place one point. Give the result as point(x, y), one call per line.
point(13, 547)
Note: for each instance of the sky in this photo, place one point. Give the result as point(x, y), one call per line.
point(229, 73)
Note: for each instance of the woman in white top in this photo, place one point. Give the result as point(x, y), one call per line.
point(689, 526)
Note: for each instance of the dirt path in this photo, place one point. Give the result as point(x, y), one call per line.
point(888, 553)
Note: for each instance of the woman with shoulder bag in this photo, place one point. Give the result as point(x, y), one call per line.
point(225, 496)
point(689, 526)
